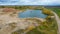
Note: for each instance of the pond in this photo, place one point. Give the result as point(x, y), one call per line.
point(32, 14)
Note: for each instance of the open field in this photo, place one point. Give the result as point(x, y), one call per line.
point(55, 9)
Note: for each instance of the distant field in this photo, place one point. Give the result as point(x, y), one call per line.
point(57, 10)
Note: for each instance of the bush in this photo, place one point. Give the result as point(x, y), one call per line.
point(47, 12)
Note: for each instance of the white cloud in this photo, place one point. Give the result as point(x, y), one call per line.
point(40, 2)
point(32, 2)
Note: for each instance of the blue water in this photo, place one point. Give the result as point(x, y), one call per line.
point(31, 14)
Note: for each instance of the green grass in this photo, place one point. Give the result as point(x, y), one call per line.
point(46, 28)
point(57, 10)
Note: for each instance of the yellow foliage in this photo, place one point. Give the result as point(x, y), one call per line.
point(14, 33)
point(46, 11)
point(31, 27)
point(48, 17)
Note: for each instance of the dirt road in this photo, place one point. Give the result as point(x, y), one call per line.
point(58, 21)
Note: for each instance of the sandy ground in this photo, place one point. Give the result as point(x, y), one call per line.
point(7, 18)
point(21, 23)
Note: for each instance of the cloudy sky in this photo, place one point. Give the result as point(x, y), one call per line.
point(29, 2)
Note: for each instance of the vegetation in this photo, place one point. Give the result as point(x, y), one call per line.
point(47, 27)
point(13, 25)
point(57, 10)
point(18, 31)
point(46, 11)
point(22, 7)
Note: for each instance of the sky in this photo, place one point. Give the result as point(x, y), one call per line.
point(29, 2)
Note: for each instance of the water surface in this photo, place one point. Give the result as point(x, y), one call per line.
point(31, 14)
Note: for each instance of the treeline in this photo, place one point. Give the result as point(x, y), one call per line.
point(22, 7)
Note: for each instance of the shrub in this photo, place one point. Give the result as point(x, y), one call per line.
point(47, 12)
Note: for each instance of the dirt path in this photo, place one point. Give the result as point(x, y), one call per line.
point(58, 21)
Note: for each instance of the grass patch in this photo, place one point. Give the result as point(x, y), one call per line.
point(56, 10)
point(46, 28)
